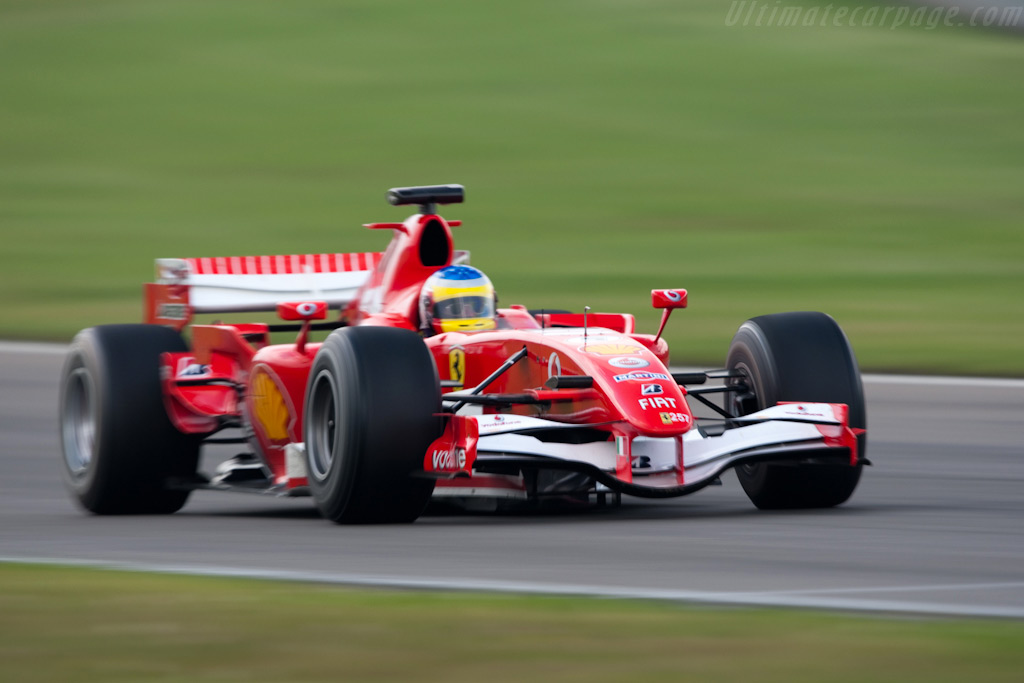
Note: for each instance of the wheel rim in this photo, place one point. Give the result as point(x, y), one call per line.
point(743, 404)
point(79, 423)
point(746, 402)
point(322, 420)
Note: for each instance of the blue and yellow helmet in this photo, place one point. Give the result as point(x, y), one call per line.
point(457, 299)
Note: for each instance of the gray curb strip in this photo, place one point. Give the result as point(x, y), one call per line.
point(737, 599)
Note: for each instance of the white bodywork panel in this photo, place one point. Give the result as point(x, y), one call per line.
point(239, 293)
point(235, 284)
point(703, 456)
point(244, 283)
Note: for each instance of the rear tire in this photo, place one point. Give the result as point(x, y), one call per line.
point(371, 413)
point(119, 446)
point(797, 357)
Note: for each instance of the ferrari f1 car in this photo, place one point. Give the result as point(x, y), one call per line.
point(493, 406)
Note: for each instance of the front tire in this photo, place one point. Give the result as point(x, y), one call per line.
point(119, 446)
point(797, 357)
point(371, 413)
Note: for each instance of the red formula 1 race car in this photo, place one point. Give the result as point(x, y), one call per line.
point(424, 389)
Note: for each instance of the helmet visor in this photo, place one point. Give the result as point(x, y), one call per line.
point(464, 307)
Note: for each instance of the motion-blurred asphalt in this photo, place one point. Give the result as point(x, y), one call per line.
point(935, 525)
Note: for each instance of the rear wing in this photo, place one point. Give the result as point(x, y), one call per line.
point(236, 284)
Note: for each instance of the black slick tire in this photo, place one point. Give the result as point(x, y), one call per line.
point(119, 447)
point(371, 413)
point(800, 356)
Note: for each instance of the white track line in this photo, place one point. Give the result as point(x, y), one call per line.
point(938, 380)
point(925, 588)
point(766, 599)
point(38, 348)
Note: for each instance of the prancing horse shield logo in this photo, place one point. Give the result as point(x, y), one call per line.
point(457, 365)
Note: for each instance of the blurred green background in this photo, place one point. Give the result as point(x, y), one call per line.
point(608, 147)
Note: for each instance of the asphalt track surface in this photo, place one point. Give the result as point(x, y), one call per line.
point(935, 526)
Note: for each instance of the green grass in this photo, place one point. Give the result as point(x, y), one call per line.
point(607, 147)
point(75, 625)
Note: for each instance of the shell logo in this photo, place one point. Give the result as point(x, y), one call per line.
point(611, 349)
point(269, 407)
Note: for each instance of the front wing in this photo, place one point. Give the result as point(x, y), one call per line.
point(476, 446)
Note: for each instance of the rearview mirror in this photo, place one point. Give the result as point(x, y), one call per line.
point(302, 310)
point(668, 298)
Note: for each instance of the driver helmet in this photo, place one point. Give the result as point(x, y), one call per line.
point(457, 299)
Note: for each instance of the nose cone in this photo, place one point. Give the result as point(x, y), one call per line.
point(667, 414)
point(637, 387)
point(656, 409)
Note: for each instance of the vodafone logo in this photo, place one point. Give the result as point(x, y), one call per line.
point(445, 459)
point(306, 309)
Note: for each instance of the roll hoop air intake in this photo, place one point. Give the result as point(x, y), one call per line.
point(427, 196)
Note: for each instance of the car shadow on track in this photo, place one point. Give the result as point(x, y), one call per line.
point(630, 510)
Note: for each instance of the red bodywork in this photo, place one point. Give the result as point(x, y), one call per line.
point(233, 376)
